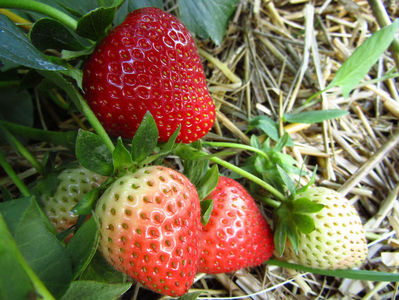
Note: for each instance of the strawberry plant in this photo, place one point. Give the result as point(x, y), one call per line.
point(120, 88)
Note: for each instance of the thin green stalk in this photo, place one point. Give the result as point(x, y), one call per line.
point(66, 139)
point(17, 145)
point(249, 176)
point(349, 273)
point(238, 146)
point(6, 240)
point(270, 202)
point(42, 8)
point(13, 176)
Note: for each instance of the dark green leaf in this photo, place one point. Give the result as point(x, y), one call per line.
point(254, 142)
point(12, 270)
point(170, 144)
point(207, 18)
point(305, 205)
point(310, 183)
point(289, 183)
point(77, 7)
point(94, 24)
point(267, 125)
point(281, 143)
point(100, 270)
point(363, 58)
point(16, 106)
point(121, 156)
point(86, 203)
point(91, 290)
point(145, 139)
point(315, 116)
point(40, 248)
point(82, 246)
point(206, 210)
point(93, 154)
point(195, 169)
point(292, 234)
point(15, 47)
point(208, 182)
point(304, 223)
point(48, 33)
point(190, 296)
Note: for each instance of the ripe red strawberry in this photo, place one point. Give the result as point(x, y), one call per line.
point(149, 63)
point(339, 240)
point(149, 228)
point(74, 183)
point(236, 235)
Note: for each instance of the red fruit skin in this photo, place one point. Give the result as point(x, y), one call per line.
point(149, 63)
point(149, 228)
point(237, 235)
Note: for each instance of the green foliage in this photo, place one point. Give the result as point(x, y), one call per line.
point(145, 139)
point(92, 290)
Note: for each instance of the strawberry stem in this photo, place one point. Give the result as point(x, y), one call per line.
point(42, 8)
point(348, 273)
point(249, 176)
point(14, 177)
point(238, 146)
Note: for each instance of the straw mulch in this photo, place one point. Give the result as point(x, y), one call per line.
point(276, 54)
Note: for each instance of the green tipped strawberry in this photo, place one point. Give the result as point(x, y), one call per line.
point(149, 63)
point(338, 241)
point(149, 228)
point(236, 235)
point(74, 183)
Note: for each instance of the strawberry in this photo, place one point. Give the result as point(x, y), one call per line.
point(149, 228)
point(149, 63)
point(338, 242)
point(236, 235)
point(74, 183)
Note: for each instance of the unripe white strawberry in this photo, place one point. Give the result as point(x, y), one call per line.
point(74, 183)
point(338, 242)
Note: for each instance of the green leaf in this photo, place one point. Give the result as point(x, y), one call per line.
point(207, 18)
point(206, 210)
point(121, 156)
point(16, 106)
point(190, 296)
point(82, 246)
point(305, 205)
point(40, 248)
point(91, 290)
point(15, 47)
point(94, 24)
point(316, 116)
point(145, 139)
point(363, 58)
point(171, 143)
point(131, 5)
point(86, 203)
point(267, 125)
point(47, 33)
point(289, 183)
point(280, 237)
point(292, 235)
point(12, 270)
point(304, 223)
point(208, 182)
point(195, 169)
point(93, 154)
point(100, 270)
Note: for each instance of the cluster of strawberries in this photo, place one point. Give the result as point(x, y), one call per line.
point(150, 220)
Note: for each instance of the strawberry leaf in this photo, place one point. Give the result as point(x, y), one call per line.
point(316, 116)
point(121, 157)
point(145, 139)
point(83, 246)
point(304, 223)
point(206, 210)
point(47, 33)
point(195, 169)
point(190, 296)
point(280, 237)
point(267, 125)
point(93, 154)
point(208, 182)
point(16, 47)
point(292, 235)
point(363, 58)
point(91, 290)
point(100, 270)
point(289, 183)
point(305, 205)
point(86, 203)
point(207, 18)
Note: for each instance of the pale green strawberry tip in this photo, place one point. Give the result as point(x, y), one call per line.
point(339, 240)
